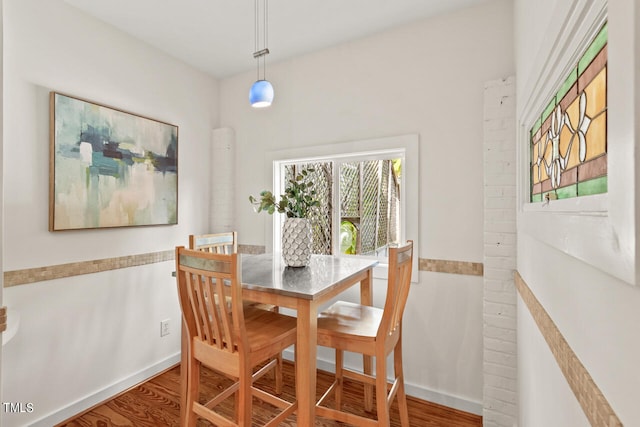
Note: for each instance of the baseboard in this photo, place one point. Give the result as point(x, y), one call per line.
point(448, 400)
point(106, 393)
point(413, 390)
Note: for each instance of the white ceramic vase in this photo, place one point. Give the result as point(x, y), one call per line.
point(296, 242)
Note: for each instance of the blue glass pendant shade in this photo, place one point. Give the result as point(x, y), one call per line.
point(261, 94)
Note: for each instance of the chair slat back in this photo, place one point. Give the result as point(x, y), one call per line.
point(205, 281)
point(399, 281)
point(218, 243)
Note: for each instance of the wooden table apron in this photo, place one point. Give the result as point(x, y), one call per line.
point(306, 346)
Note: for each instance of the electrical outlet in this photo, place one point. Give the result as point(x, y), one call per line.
point(164, 327)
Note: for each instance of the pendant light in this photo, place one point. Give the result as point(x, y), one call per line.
point(261, 93)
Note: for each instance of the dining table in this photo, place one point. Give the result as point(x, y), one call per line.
point(267, 279)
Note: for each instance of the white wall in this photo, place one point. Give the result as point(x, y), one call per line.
point(86, 337)
point(595, 312)
point(1, 188)
point(427, 78)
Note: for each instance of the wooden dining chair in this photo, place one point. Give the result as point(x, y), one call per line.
point(370, 331)
point(233, 343)
point(227, 243)
point(218, 243)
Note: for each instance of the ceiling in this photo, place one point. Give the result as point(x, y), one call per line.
point(217, 36)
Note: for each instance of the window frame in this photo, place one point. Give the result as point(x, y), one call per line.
point(573, 225)
point(404, 147)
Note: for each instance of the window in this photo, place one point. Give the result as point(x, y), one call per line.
point(366, 194)
point(569, 140)
point(598, 228)
point(369, 195)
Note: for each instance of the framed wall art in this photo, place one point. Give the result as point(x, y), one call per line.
point(109, 168)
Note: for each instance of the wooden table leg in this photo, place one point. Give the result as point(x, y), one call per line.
point(306, 353)
point(184, 349)
point(366, 298)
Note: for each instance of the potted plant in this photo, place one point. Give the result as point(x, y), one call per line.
point(298, 199)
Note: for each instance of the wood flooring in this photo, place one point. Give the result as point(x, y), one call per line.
point(155, 403)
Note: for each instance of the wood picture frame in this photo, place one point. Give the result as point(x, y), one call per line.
point(109, 168)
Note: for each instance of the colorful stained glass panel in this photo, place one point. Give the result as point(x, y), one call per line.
point(568, 141)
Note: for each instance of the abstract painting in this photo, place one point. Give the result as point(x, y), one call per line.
point(109, 168)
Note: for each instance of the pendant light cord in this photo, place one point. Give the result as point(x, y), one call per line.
point(255, 41)
point(265, 37)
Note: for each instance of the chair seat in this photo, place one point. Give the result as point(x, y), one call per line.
point(264, 327)
point(251, 304)
point(347, 320)
point(261, 306)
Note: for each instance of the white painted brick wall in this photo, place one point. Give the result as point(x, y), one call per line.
point(222, 181)
point(499, 310)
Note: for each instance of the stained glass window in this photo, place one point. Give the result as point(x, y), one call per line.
point(569, 140)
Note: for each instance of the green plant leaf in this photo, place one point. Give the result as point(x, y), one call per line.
point(295, 201)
